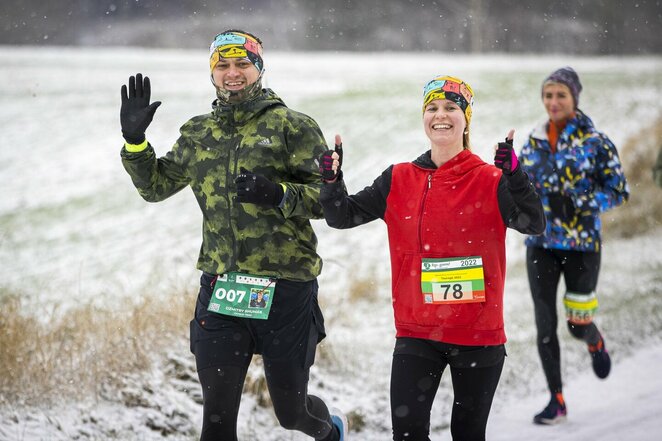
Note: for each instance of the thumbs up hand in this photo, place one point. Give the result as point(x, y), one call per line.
point(331, 161)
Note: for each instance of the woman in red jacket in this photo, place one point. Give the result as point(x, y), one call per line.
point(446, 214)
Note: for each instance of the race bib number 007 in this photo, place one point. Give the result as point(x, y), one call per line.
point(243, 295)
point(453, 280)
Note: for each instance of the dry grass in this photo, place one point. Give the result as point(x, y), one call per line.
point(91, 352)
point(643, 212)
point(256, 384)
point(80, 352)
point(364, 288)
point(356, 421)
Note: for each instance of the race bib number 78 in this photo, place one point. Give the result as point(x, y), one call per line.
point(453, 280)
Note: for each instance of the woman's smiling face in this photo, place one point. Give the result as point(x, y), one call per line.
point(444, 123)
point(558, 102)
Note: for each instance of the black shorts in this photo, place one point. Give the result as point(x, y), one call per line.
point(292, 331)
point(456, 356)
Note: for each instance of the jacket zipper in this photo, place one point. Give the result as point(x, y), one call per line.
point(420, 214)
point(231, 172)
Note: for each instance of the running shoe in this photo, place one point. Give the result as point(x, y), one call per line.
point(339, 420)
point(554, 413)
point(600, 358)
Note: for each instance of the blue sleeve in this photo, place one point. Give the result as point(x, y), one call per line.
point(528, 159)
point(610, 187)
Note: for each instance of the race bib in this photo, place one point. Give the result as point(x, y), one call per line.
point(580, 308)
point(453, 280)
point(243, 295)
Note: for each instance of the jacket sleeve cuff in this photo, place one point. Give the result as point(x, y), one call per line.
point(284, 198)
point(135, 148)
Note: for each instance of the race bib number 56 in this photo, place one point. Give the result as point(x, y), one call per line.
point(453, 280)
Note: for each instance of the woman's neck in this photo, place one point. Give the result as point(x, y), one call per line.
point(560, 124)
point(442, 154)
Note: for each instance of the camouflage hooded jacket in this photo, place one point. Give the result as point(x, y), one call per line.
point(263, 136)
point(584, 167)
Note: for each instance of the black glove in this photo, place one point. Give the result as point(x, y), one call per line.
point(562, 206)
point(505, 157)
point(136, 112)
point(256, 189)
point(326, 163)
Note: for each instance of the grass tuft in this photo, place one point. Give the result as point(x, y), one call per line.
point(643, 211)
point(356, 421)
point(82, 352)
point(363, 289)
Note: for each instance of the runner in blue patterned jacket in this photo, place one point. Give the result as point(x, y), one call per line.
point(578, 175)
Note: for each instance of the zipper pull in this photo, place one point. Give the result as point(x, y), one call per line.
point(429, 180)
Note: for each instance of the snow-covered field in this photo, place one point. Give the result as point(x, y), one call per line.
point(73, 230)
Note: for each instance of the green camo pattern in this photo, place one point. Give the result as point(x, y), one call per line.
point(265, 137)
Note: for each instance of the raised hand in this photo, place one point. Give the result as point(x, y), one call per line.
point(331, 161)
point(505, 157)
point(136, 112)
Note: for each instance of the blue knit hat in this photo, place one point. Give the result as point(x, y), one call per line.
point(568, 77)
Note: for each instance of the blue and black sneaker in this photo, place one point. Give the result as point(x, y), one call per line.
point(554, 413)
point(339, 420)
point(600, 358)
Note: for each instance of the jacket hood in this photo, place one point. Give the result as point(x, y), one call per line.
point(240, 113)
point(460, 164)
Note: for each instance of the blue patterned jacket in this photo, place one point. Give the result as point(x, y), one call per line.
point(586, 168)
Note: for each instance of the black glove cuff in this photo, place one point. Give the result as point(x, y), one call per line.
point(133, 138)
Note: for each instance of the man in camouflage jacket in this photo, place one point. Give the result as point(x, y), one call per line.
point(252, 166)
point(267, 138)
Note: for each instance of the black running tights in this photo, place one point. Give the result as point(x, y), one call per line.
point(414, 383)
point(287, 383)
point(580, 272)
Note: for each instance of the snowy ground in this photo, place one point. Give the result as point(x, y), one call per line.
point(626, 406)
point(71, 222)
point(72, 225)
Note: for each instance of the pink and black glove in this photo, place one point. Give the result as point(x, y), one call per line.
point(326, 163)
point(505, 157)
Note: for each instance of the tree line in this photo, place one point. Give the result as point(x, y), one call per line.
point(465, 26)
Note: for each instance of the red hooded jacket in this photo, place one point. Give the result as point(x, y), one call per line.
point(460, 209)
point(448, 212)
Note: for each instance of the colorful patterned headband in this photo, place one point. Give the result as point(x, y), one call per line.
point(452, 89)
point(235, 44)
